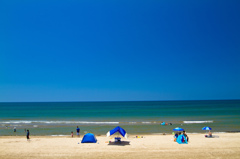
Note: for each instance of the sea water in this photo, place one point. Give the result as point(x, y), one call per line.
point(145, 117)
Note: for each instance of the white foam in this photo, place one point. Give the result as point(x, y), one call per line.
point(132, 122)
point(56, 122)
point(59, 135)
point(16, 122)
point(76, 122)
point(146, 122)
point(197, 122)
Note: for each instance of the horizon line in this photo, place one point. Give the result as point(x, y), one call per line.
point(120, 101)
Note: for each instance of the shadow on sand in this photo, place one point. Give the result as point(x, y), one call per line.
point(213, 136)
point(120, 143)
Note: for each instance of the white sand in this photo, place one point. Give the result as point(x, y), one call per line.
point(151, 146)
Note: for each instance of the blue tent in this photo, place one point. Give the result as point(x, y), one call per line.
point(181, 139)
point(119, 130)
point(89, 138)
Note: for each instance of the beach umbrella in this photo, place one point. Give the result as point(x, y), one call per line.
point(206, 128)
point(119, 130)
point(178, 129)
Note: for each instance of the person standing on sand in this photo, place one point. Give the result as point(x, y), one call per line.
point(28, 133)
point(72, 134)
point(78, 131)
point(184, 133)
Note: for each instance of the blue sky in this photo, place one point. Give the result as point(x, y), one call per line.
point(83, 50)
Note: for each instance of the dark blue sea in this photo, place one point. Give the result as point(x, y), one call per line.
point(145, 117)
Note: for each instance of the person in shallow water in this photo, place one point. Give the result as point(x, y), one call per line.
point(78, 131)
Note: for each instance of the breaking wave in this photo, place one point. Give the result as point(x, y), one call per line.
point(56, 122)
point(197, 122)
point(42, 122)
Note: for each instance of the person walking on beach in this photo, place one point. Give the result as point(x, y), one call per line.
point(28, 133)
point(78, 131)
point(72, 133)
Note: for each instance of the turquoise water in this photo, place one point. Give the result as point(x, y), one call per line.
point(60, 118)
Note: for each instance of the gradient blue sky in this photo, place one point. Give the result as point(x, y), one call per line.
point(116, 50)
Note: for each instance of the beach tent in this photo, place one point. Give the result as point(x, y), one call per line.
point(89, 138)
point(119, 130)
point(181, 139)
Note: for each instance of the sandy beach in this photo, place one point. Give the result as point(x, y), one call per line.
point(226, 145)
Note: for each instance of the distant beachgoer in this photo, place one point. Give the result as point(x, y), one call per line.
point(14, 129)
point(25, 130)
point(184, 133)
point(72, 133)
point(78, 131)
point(210, 134)
point(176, 135)
point(28, 133)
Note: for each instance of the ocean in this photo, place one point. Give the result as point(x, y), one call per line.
point(143, 117)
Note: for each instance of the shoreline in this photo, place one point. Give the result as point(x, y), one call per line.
point(132, 134)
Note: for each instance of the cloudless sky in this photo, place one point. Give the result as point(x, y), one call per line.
point(117, 50)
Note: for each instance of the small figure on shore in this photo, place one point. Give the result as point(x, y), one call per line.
point(78, 131)
point(209, 134)
point(28, 133)
point(14, 129)
point(25, 130)
point(175, 137)
point(184, 133)
point(72, 133)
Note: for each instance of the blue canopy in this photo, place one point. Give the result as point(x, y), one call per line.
point(206, 128)
point(178, 129)
point(89, 138)
point(117, 129)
